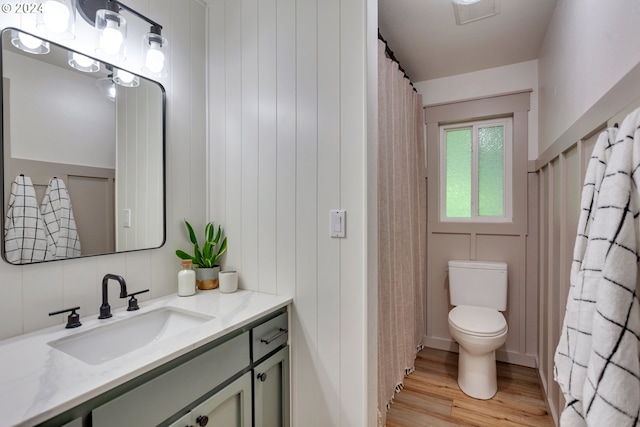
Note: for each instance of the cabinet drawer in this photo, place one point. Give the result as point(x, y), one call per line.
point(269, 336)
point(165, 395)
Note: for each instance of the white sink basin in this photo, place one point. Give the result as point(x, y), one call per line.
point(117, 338)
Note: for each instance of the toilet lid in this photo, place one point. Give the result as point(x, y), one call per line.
point(478, 320)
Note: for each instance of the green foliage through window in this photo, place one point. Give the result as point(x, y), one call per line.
point(491, 171)
point(474, 170)
point(458, 173)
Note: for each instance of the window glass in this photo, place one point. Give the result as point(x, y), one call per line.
point(458, 173)
point(491, 171)
point(476, 166)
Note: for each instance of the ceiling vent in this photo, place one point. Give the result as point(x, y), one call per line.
point(471, 10)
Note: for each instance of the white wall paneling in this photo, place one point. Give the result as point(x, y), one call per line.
point(586, 78)
point(30, 292)
point(139, 167)
point(287, 88)
point(559, 188)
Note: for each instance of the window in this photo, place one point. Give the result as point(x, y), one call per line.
point(475, 160)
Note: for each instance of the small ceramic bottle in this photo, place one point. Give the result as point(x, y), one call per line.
point(186, 280)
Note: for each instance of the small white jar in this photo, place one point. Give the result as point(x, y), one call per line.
point(186, 280)
point(228, 281)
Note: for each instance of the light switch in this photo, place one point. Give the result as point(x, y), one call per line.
point(126, 218)
point(337, 223)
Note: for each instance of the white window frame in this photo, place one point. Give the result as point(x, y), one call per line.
point(507, 123)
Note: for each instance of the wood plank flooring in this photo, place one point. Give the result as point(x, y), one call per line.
point(431, 397)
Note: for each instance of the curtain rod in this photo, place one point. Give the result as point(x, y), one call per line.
point(392, 57)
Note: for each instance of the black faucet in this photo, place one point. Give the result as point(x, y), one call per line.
point(105, 308)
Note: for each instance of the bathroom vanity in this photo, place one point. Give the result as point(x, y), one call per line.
point(216, 358)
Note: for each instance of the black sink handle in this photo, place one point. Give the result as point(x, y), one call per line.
point(73, 320)
point(133, 302)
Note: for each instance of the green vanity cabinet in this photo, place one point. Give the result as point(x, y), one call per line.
point(230, 407)
point(240, 379)
point(271, 372)
point(271, 391)
point(166, 395)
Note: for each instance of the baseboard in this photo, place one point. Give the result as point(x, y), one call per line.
point(440, 344)
point(502, 355)
point(554, 417)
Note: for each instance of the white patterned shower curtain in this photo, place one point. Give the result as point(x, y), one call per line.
point(401, 229)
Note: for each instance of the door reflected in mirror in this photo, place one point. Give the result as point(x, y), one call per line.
point(83, 154)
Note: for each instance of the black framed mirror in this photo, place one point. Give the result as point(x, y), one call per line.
point(83, 154)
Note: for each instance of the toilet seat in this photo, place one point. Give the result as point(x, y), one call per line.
point(478, 321)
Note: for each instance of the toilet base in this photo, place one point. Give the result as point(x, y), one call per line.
point(477, 376)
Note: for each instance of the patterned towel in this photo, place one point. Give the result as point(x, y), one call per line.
point(24, 233)
point(62, 236)
point(597, 358)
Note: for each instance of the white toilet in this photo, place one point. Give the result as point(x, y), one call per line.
point(478, 290)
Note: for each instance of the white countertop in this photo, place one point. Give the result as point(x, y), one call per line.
point(38, 382)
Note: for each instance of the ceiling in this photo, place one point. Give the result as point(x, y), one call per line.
point(428, 44)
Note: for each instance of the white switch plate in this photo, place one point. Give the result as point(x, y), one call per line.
point(337, 223)
point(126, 218)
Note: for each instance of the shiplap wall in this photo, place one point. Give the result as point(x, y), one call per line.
point(29, 293)
point(139, 161)
point(287, 90)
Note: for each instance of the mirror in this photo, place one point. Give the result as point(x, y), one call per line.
point(71, 132)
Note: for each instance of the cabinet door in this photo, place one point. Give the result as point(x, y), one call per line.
point(230, 407)
point(271, 391)
point(183, 422)
point(75, 423)
point(160, 398)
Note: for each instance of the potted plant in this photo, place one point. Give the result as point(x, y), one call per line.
point(204, 259)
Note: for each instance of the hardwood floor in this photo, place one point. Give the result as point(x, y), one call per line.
point(431, 397)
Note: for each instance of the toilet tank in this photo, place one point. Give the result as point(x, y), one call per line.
point(478, 283)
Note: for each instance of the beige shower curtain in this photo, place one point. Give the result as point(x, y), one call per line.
point(401, 229)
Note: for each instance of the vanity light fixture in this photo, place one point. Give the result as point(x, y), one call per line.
point(107, 18)
point(58, 18)
point(29, 43)
point(83, 63)
point(154, 48)
point(107, 87)
point(125, 78)
point(112, 31)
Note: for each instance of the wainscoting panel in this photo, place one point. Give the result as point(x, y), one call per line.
point(484, 241)
point(559, 191)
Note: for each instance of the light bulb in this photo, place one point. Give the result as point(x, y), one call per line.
point(81, 60)
point(107, 87)
point(56, 16)
point(155, 58)
point(125, 76)
point(29, 41)
point(111, 38)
